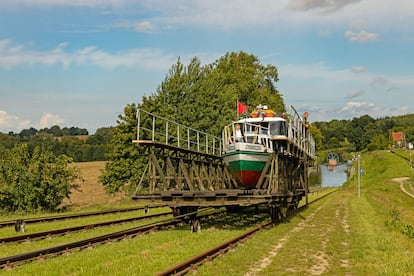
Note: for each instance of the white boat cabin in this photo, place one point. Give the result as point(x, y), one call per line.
point(267, 132)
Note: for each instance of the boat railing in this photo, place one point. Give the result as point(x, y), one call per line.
point(151, 127)
point(249, 133)
point(299, 135)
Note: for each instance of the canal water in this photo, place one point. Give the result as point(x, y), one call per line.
point(328, 176)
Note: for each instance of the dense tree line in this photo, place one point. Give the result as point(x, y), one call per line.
point(56, 131)
point(73, 142)
point(364, 132)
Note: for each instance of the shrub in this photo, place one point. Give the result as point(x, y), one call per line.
point(34, 181)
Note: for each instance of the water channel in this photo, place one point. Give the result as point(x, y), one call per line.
point(328, 176)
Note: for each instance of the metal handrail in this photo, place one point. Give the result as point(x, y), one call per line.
point(162, 130)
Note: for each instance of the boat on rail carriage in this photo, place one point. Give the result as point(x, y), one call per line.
point(249, 142)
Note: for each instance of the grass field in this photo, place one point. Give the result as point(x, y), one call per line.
point(342, 235)
point(91, 192)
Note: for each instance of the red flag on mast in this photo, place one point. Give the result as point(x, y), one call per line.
point(241, 108)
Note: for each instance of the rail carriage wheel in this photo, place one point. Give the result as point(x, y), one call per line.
point(179, 211)
point(274, 213)
point(293, 202)
point(277, 213)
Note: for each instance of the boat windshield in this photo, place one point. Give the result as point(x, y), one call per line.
point(278, 128)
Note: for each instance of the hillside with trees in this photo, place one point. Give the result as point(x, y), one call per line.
point(364, 132)
point(73, 142)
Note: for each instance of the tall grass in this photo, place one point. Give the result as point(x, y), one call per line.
point(378, 218)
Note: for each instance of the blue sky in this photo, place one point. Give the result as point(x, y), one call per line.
point(80, 62)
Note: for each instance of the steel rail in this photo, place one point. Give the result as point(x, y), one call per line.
point(70, 216)
point(131, 232)
point(64, 231)
point(209, 254)
point(193, 262)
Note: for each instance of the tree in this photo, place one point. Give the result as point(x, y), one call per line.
point(317, 136)
point(102, 135)
point(361, 130)
point(26, 133)
point(37, 181)
point(125, 163)
point(74, 131)
point(378, 142)
point(201, 97)
point(333, 143)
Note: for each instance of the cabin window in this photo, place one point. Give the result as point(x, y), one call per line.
point(278, 128)
point(264, 128)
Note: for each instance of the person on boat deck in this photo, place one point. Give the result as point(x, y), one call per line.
point(239, 134)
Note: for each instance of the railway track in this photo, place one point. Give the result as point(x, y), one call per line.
point(71, 216)
point(206, 256)
point(64, 231)
point(17, 259)
point(116, 236)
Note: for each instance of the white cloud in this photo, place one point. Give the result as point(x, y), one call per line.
point(138, 26)
point(320, 71)
point(379, 81)
point(362, 36)
point(325, 33)
point(144, 27)
point(320, 5)
point(148, 58)
point(355, 94)
point(358, 69)
point(380, 94)
point(78, 3)
point(392, 88)
point(308, 13)
point(244, 13)
point(359, 24)
point(49, 119)
point(10, 122)
point(304, 72)
point(357, 109)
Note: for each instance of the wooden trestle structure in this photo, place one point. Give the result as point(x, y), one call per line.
point(184, 169)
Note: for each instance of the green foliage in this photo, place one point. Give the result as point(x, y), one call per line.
point(125, 163)
point(317, 136)
point(365, 132)
point(204, 97)
point(395, 223)
point(56, 131)
point(201, 97)
point(378, 142)
point(34, 181)
point(73, 142)
point(408, 230)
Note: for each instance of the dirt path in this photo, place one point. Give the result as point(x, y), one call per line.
point(328, 227)
point(401, 181)
point(267, 260)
